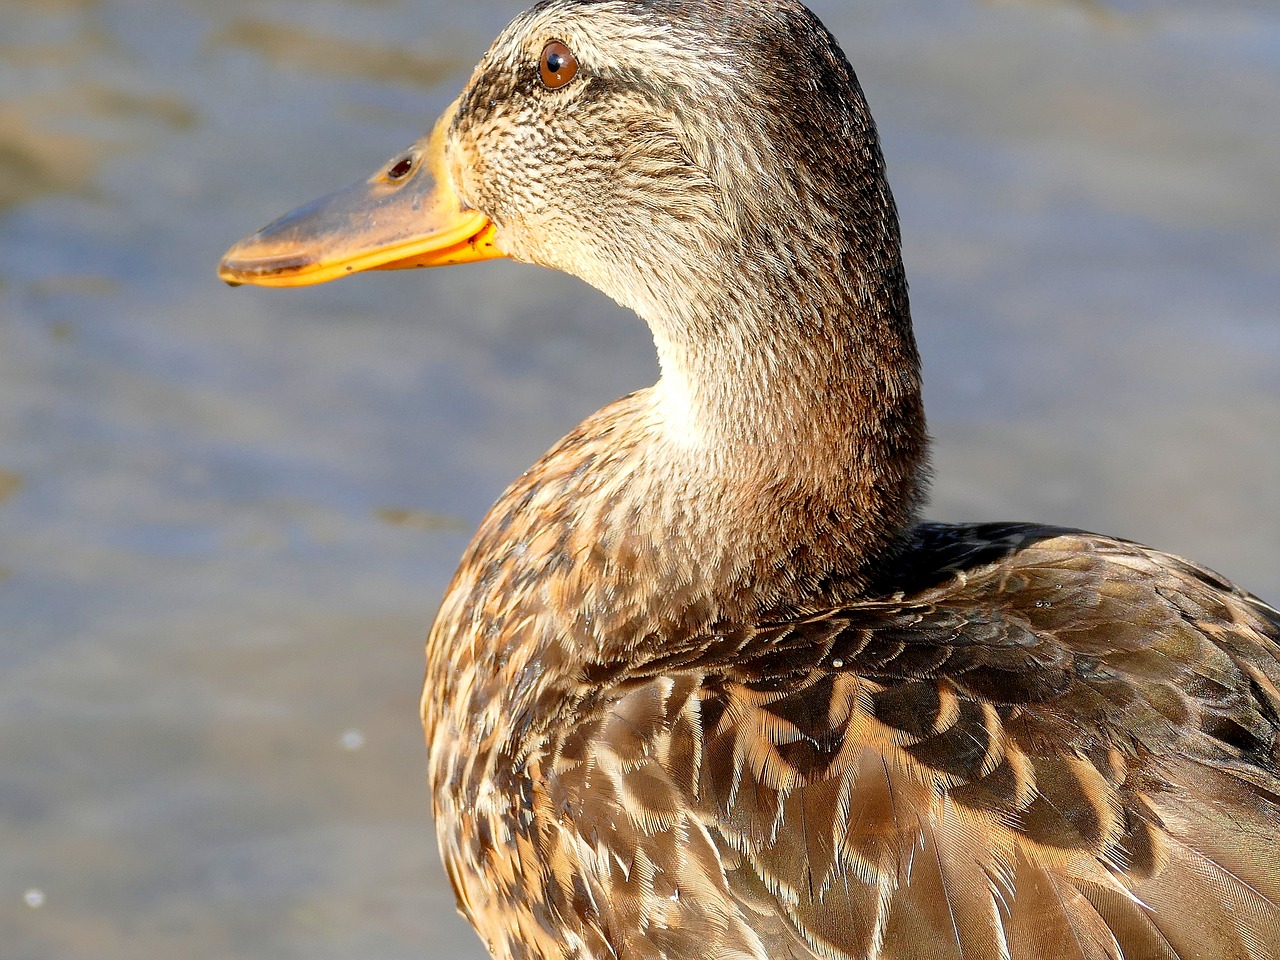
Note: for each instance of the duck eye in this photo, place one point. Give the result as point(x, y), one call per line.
point(558, 65)
point(400, 169)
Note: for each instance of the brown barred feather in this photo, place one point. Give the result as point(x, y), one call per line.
point(957, 772)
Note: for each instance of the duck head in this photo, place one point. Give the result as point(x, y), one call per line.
point(661, 150)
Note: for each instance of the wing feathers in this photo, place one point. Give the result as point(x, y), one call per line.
point(1049, 919)
point(950, 903)
point(1071, 752)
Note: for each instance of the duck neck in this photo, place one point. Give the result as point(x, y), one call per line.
point(792, 396)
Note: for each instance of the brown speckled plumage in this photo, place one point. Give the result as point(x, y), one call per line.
point(703, 686)
point(705, 697)
point(1045, 744)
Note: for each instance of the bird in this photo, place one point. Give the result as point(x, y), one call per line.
point(706, 683)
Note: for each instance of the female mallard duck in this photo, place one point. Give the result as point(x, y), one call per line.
point(703, 685)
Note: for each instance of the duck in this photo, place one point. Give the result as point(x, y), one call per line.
point(706, 683)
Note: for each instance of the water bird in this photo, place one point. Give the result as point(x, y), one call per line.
point(705, 684)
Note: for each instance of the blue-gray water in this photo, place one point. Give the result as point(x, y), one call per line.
point(226, 516)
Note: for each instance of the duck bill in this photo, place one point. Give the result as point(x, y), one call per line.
point(407, 215)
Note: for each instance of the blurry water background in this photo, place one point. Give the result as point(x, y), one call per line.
point(227, 516)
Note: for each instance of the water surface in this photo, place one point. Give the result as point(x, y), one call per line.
point(226, 517)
